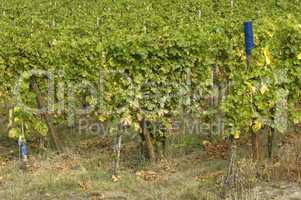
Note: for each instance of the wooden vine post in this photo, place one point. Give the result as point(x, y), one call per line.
point(47, 118)
point(230, 179)
point(270, 142)
point(148, 141)
point(271, 134)
point(255, 145)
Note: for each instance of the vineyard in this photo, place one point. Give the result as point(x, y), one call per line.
point(122, 96)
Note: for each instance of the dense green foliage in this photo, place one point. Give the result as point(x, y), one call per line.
point(154, 56)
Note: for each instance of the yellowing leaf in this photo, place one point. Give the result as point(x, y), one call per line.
point(263, 89)
point(270, 34)
point(206, 142)
point(257, 125)
point(236, 134)
point(267, 55)
point(41, 127)
point(102, 118)
point(14, 133)
point(17, 109)
point(299, 56)
point(115, 178)
point(136, 127)
point(251, 87)
point(126, 120)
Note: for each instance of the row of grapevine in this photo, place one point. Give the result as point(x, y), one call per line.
point(146, 60)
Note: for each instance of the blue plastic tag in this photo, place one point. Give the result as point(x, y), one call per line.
point(249, 37)
point(24, 151)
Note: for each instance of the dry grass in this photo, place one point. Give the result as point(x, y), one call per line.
point(191, 176)
point(86, 176)
point(286, 165)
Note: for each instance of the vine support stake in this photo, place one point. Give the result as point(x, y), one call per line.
point(147, 139)
point(271, 135)
point(229, 181)
point(117, 149)
point(47, 118)
point(255, 145)
point(249, 45)
point(270, 142)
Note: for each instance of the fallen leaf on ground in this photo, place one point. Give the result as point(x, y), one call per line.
point(148, 175)
point(96, 196)
point(85, 185)
point(206, 176)
point(115, 178)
